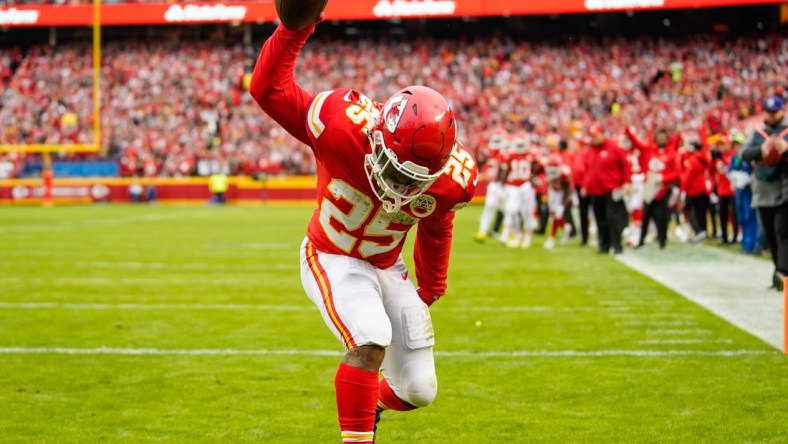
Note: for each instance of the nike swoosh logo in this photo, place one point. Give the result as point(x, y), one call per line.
point(347, 96)
point(475, 180)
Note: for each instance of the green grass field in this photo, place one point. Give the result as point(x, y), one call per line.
point(540, 345)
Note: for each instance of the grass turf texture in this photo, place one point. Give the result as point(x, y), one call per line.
point(202, 277)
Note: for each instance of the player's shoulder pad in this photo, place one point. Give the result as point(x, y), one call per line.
point(464, 172)
point(325, 104)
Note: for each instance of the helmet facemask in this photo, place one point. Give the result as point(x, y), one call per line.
point(395, 183)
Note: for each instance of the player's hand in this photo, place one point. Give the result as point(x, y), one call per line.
point(426, 297)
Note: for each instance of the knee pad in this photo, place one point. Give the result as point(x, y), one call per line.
point(421, 388)
point(421, 392)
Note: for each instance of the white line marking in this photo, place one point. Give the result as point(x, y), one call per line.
point(72, 306)
point(684, 341)
point(649, 323)
point(254, 307)
point(678, 332)
point(448, 354)
point(513, 308)
point(602, 353)
point(641, 315)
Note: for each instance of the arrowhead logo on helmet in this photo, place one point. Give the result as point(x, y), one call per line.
point(392, 113)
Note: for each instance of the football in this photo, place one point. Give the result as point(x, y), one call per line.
point(299, 14)
point(770, 154)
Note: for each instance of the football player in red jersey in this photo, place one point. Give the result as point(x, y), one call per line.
point(381, 170)
point(495, 172)
point(520, 200)
point(559, 195)
point(657, 158)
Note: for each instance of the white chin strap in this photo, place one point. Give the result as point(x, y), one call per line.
point(392, 203)
point(390, 207)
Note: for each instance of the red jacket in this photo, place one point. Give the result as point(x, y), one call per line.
point(719, 171)
point(693, 173)
point(606, 169)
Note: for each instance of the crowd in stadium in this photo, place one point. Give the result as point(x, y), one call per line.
point(182, 109)
point(169, 106)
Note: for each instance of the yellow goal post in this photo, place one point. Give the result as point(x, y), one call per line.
point(94, 147)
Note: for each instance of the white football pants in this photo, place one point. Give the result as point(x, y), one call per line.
point(518, 211)
point(493, 201)
point(364, 305)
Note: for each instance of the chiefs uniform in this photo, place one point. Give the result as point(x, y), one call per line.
point(559, 195)
point(351, 263)
point(520, 201)
point(349, 218)
point(660, 173)
point(495, 172)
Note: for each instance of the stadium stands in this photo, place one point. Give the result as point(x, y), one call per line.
point(178, 108)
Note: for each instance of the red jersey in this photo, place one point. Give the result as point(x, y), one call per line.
point(567, 161)
point(349, 219)
point(520, 166)
point(539, 177)
point(693, 173)
point(720, 173)
point(658, 164)
point(562, 180)
point(494, 170)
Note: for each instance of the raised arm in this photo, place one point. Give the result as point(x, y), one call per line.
point(636, 142)
point(273, 85)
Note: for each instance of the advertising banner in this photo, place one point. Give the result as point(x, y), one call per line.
point(264, 11)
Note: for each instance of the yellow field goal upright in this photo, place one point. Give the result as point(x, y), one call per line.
point(76, 148)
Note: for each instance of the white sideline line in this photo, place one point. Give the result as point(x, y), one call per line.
point(450, 354)
point(684, 341)
point(252, 307)
point(732, 286)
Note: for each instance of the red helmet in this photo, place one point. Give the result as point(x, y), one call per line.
point(554, 166)
point(497, 142)
point(411, 145)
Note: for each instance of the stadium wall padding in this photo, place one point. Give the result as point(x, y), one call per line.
point(166, 189)
point(175, 190)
